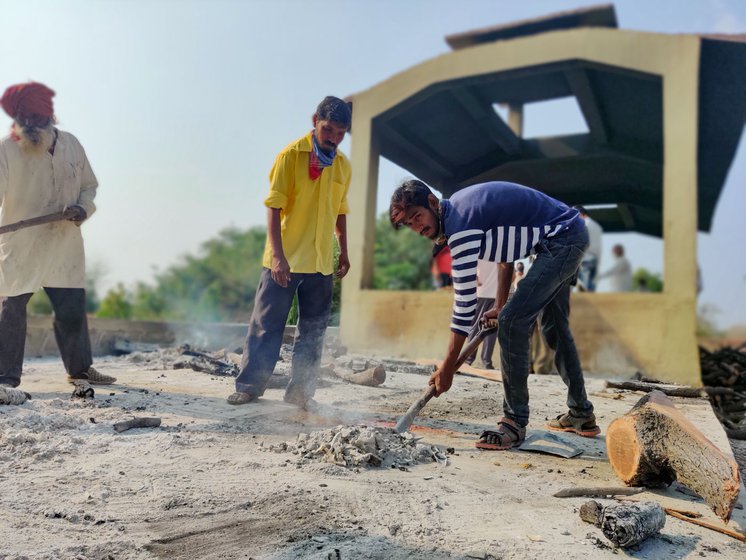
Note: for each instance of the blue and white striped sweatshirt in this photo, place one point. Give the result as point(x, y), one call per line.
point(499, 222)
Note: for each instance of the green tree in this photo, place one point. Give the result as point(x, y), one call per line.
point(402, 259)
point(116, 304)
point(39, 304)
point(652, 282)
point(218, 284)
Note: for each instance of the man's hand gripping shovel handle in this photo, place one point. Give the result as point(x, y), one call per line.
point(405, 422)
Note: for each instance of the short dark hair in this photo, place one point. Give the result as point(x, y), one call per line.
point(581, 209)
point(334, 109)
point(411, 192)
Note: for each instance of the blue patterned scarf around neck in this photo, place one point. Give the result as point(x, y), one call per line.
point(323, 158)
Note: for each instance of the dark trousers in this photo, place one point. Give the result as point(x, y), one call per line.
point(262, 347)
point(488, 344)
point(70, 331)
point(546, 287)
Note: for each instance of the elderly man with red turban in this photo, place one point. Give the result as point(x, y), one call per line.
point(43, 170)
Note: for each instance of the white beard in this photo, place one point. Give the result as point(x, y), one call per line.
point(34, 140)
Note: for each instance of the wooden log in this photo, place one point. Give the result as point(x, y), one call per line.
point(625, 525)
point(654, 444)
point(142, 422)
point(370, 377)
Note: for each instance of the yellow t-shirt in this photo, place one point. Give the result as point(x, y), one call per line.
point(309, 209)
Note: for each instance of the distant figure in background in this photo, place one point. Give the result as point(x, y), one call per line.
point(486, 294)
point(306, 206)
point(441, 267)
point(518, 275)
point(43, 170)
point(620, 273)
point(592, 258)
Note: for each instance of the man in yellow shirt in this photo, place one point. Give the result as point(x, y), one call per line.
point(306, 206)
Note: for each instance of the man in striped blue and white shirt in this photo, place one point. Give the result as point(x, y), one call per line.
point(502, 223)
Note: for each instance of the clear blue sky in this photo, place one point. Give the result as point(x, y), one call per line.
point(182, 106)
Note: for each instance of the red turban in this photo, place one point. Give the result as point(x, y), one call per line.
point(24, 100)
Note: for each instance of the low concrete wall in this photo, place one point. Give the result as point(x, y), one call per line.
point(616, 334)
point(105, 332)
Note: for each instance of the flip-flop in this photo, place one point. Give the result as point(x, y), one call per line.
point(508, 435)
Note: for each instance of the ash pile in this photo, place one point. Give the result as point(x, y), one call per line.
point(362, 446)
point(336, 362)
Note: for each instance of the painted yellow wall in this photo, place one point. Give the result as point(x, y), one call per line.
point(615, 333)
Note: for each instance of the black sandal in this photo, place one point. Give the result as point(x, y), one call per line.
point(508, 435)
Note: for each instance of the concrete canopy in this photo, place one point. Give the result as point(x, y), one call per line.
point(664, 115)
point(450, 135)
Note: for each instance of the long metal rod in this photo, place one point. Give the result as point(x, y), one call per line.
point(22, 224)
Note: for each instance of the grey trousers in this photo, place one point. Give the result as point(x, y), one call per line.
point(546, 287)
point(262, 347)
point(70, 331)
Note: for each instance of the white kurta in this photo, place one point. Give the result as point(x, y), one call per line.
point(49, 255)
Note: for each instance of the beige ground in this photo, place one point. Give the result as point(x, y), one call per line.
point(203, 485)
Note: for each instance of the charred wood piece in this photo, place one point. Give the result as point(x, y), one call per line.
point(627, 524)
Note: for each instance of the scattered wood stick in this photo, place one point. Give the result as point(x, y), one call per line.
point(691, 392)
point(684, 517)
point(142, 422)
point(371, 377)
point(601, 492)
point(684, 512)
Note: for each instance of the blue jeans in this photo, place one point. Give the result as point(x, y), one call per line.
point(546, 287)
point(587, 273)
point(272, 305)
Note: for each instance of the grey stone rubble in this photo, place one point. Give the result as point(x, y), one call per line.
point(362, 446)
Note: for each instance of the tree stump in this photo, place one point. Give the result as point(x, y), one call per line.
point(654, 444)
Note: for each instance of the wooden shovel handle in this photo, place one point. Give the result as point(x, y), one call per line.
point(406, 421)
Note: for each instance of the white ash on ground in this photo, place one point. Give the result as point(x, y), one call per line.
point(362, 446)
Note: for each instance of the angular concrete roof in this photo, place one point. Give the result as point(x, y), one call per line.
point(450, 135)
